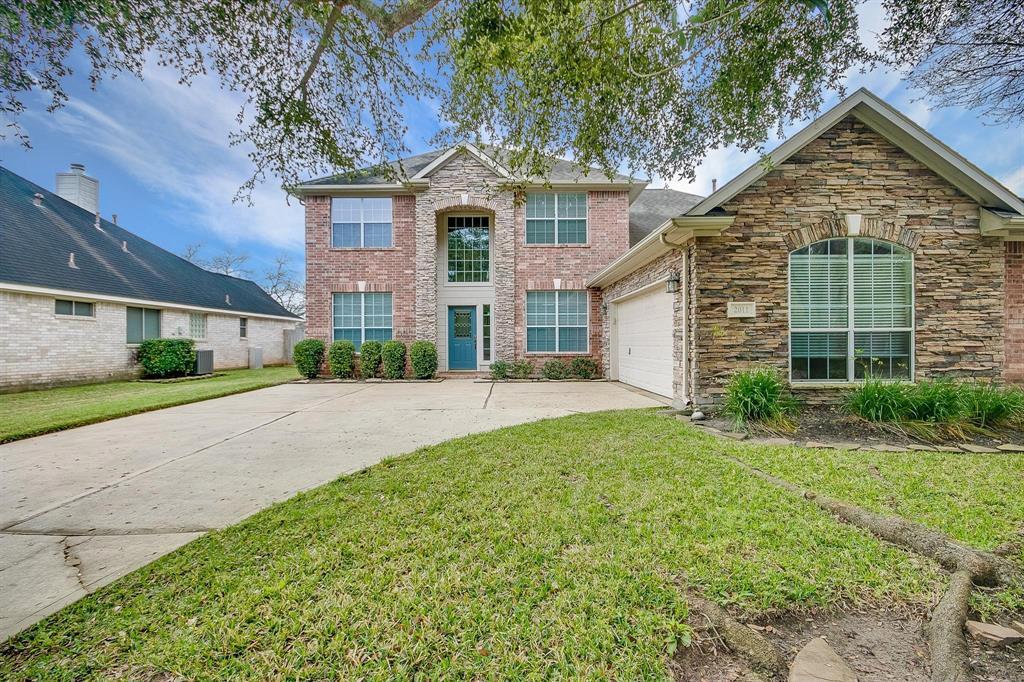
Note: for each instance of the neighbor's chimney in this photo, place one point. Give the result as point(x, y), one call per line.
point(78, 188)
point(714, 184)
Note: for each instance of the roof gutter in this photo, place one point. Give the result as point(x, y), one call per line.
point(1009, 227)
point(672, 234)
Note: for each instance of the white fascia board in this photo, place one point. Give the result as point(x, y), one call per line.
point(634, 188)
point(91, 296)
point(995, 225)
point(473, 150)
point(670, 235)
point(898, 129)
point(381, 189)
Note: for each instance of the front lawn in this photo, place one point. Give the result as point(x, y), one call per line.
point(562, 548)
point(35, 412)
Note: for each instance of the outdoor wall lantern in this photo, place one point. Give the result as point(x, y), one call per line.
point(672, 283)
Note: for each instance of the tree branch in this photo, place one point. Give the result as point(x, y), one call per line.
point(391, 22)
point(325, 40)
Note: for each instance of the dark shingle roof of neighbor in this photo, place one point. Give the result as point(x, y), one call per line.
point(653, 207)
point(35, 243)
point(561, 170)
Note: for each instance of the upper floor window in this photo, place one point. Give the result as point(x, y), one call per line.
point(556, 322)
point(361, 222)
point(197, 325)
point(851, 311)
point(556, 218)
point(77, 308)
point(469, 249)
point(143, 323)
point(362, 317)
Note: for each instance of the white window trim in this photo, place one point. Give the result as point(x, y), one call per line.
point(362, 315)
point(362, 225)
point(586, 220)
point(850, 330)
point(61, 316)
point(526, 343)
point(490, 251)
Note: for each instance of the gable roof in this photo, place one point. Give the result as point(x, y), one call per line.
point(653, 207)
point(415, 170)
point(38, 240)
point(888, 122)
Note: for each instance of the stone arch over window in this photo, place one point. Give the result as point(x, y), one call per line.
point(852, 225)
point(465, 202)
point(851, 310)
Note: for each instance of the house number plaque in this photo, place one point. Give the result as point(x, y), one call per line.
point(741, 309)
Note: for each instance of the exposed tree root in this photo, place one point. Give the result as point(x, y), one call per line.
point(946, 632)
point(985, 568)
point(743, 640)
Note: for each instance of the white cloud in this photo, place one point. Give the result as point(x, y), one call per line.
point(1015, 181)
point(173, 139)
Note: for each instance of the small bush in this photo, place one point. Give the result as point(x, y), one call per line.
point(758, 395)
point(554, 369)
point(880, 401)
point(938, 402)
point(309, 355)
point(984, 404)
point(583, 368)
point(341, 359)
point(369, 359)
point(393, 359)
point(521, 369)
point(423, 355)
point(499, 370)
point(167, 357)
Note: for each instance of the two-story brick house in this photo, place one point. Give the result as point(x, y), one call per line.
point(456, 256)
point(863, 247)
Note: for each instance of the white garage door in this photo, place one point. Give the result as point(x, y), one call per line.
point(644, 335)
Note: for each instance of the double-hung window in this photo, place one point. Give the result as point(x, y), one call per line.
point(361, 222)
point(362, 317)
point(143, 323)
point(75, 308)
point(851, 310)
point(469, 249)
point(556, 218)
point(556, 322)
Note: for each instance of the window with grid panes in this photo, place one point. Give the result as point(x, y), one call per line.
point(851, 310)
point(361, 222)
point(556, 218)
point(362, 317)
point(556, 322)
point(469, 249)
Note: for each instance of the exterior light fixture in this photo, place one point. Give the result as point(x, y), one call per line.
point(672, 283)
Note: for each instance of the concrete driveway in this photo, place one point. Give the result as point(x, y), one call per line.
point(80, 508)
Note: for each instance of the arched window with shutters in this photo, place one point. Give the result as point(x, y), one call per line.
point(851, 311)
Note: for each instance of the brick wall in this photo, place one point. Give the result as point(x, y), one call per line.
point(330, 270)
point(1014, 311)
point(850, 169)
point(229, 349)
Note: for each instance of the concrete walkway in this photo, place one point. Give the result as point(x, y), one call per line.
point(80, 508)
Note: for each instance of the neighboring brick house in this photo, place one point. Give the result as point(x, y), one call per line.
point(864, 247)
point(78, 293)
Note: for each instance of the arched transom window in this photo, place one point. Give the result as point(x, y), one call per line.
point(851, 311)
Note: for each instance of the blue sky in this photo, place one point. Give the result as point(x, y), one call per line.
point(161, 153)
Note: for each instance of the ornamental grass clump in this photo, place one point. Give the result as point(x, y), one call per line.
point(759, 395)
point(936, 402)
point(985, 404)
point(880, 401)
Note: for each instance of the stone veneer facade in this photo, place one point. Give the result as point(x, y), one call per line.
point(958, 274)
point(409, 269)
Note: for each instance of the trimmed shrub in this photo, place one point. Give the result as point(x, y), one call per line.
point(499, 370)
point(423, 355)
point(341, 359)
point(392, 356)
point(521, 369)
point(167, 357)
point(758, 395)
point(554, 369)
point(880, 401)
point(369, 359)
point(985, 404)
point(583, 368)
point(309, 355)
point(938, 402)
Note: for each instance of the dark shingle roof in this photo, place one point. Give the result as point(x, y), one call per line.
point(653, 207)
point(561, 170)
point(35, 242)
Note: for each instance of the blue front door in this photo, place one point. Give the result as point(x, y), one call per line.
point(462, 337)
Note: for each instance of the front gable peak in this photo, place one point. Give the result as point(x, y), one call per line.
point(453, 152)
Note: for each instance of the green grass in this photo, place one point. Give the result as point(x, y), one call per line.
point(35, 412)
point(562, 548)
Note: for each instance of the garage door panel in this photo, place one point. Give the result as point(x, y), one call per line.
point(644, 340)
